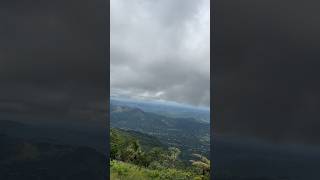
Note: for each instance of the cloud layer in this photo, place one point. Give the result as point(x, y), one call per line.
point(160, 50)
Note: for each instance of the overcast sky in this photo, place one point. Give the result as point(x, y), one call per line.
point(160, 50)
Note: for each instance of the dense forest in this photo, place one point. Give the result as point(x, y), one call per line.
point(135, 155)
point(190, 135)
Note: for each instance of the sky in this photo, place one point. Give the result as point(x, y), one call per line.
point(266, 70)
point(266, 61)
point(160, 50)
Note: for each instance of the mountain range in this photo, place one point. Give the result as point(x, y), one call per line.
point(170, 109)
point(186, 133)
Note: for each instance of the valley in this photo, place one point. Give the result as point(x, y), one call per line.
point(188, 134)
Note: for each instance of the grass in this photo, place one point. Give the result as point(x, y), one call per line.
point(125, 171)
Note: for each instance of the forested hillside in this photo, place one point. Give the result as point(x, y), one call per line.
point(144, 157)
point(187, 134)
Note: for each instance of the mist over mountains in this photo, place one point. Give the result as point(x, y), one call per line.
point(166, 108)
point(170, 124)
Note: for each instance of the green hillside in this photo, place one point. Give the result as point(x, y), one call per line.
point(135, 155)
point(125, 171)
point(147, 142)
point(187, 134)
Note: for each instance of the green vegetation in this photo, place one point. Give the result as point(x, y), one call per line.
point(124, 171)
point(130, 160)
point(202, 164)
point(187, 134)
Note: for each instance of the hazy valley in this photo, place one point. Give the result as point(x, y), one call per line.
point(186, 133)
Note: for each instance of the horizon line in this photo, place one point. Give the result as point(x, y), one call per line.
point(159, 101)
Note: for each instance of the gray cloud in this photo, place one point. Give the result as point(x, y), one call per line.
point(160, 50)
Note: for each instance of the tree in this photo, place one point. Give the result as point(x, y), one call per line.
point(142, 159)
point(203, 164)
point(115, 143)
point(173, 154)
point(131, 150)
point(157, 154)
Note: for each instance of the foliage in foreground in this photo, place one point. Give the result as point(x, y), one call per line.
point(203, 164)
point(131, 161)
point(125, 171)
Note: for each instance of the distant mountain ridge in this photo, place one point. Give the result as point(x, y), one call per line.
point(158, 102)
point(165, 108)
point(188, 134)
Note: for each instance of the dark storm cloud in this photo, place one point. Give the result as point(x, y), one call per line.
point(53, 55)
point(266, 69)
point(160, 50)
